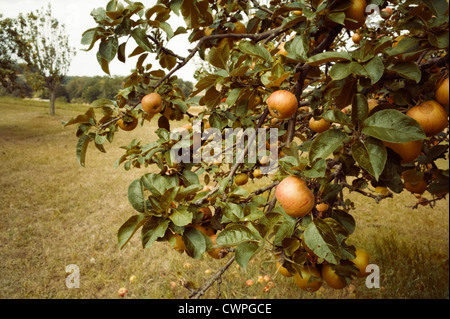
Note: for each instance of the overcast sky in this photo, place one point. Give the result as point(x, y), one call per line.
point(75, 14)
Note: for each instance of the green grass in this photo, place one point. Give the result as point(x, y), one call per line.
point(55, 213)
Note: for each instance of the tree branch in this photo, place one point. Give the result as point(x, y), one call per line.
point(378, 198)
point(196, 294)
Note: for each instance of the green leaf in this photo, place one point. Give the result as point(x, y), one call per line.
point(325, 144)
point(344, 92)
point(190, 178)
point(318, 169)
point(82, 145)
point(371, 155)
point(375, 69)
point(408, 70)
point(158, 184)
point(233, 235)
point(136, 196)
point(167, 61)
point(337, 116)
point(340, 71)
point(321, 238)
point(330, 192)
point(188, 191)
point(141, 39)
point(79, 119)
point(195, 243)
point(325, 57)
point(168, 197)
point(393, 126)
point(245, 252)
point(360, 108)
point(175, 6)
point(255, 49)
point(181, 216)
point(437, 7)
point(104, 64)
point(219, 56)
point(129, 228)
point(345, 219)
point(190, 14)
point(297, 48)
point(233, 212)
point(108, 48)
point(152, 230)
point(285, 230)
point(91, 36)
point(440, 40)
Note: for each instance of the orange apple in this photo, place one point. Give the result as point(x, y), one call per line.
point(295, 197)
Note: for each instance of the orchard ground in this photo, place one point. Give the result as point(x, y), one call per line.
point(55, 213)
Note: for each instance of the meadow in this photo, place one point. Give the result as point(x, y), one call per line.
point(54, 213)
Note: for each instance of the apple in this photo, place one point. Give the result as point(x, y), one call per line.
point(295, 197)
point(122, 292)
point(249, 282)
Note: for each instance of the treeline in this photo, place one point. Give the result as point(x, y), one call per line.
point(82, 89)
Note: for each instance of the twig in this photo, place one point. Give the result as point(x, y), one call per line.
point(429, 201)
point(378, 198)
point(165, 50)
point(196, 294)
point(261, 191)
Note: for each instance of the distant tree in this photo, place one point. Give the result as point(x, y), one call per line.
point(185, 86)
point(47, 50)
point(10, 49)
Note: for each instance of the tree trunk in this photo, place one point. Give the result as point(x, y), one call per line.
point(52, 101)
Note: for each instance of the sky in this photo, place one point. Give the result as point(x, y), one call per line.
point(75, 15)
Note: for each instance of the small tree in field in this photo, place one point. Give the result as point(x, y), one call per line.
point(10, 47)
point(367, 116)
point(46, 49)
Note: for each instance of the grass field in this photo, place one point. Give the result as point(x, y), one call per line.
point(54, 213)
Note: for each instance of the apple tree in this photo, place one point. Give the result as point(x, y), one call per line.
point(356, 90)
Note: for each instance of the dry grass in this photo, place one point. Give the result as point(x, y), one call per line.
point(55, 213)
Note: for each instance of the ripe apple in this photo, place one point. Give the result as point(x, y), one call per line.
point(187, 265)
point(416, 187)
point(309, 280)
point(133, 279)
point(152, 103)
point(442, 93)
point(257, 173)
point(408, 151)
point(249, 282)
point(122, 291)
point(319, 126)
point(295, 197)
point(357, 12)
point(206, 211)
point(431, 116)
point(322, 207)
point(361, 261)
point(241, 179)
point(216, 253)
point(283, 270)
point(386, 13)
point(332, 278)
point(356, 38)
point(282, 104)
